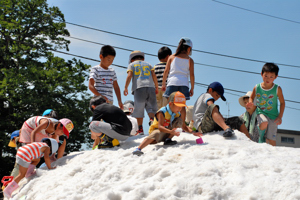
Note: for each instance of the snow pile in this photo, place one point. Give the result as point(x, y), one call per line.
point(220, 168)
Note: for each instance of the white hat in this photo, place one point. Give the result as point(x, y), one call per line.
point(241, 99)
point(128, 107)
point(135, 53)
point(187, 42)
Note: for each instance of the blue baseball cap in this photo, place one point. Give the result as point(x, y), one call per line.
point(13, 135)
point(47, 112)
point(218, 87)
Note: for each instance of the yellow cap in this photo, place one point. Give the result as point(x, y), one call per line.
point(12, 144)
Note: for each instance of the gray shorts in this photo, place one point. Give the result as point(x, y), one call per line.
point(22, 162)
point(272, 126)
point(209, 125)
point(103, 127)
point(144, 98)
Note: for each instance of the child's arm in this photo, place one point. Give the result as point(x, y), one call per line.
point(278, 120)
point(161, 120)
point(250, 104)
point(118, 93)
point(166, 72)
point(94, 90)
point(46, 157)
point(155, 81)
point(38, 129)
point(128, 79)
point(61, 149)
point(192, 77)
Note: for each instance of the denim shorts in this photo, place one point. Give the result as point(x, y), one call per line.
point(183, 89)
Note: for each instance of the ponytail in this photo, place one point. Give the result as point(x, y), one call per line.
point(181, 47)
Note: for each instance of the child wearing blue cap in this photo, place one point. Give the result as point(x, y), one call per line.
point(207, 117)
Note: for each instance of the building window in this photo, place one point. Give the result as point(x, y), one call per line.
point(288, 140)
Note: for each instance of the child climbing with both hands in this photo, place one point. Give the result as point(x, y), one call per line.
point(165, 123)
point(267, 94)
point(180, 66)
point(28, 157)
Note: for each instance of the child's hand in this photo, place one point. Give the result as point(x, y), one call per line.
point(278, 120)
point(191, 92)
point(163, 87)
point(125, 92)
point(173, 132)
point(156, 90)
point(197, 134)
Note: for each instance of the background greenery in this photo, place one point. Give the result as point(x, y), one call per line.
point(32, 79)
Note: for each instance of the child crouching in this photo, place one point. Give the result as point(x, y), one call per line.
point(28, 157)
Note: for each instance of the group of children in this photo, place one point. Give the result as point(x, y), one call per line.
point(39, 137)
point(155, 88)
point(162, 91)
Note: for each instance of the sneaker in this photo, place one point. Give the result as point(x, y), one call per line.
point(137, 152)
point(140, 131)
point(108, 142)
point(228, 133)
point(168, 141)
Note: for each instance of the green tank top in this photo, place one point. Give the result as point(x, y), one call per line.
point(267, 101)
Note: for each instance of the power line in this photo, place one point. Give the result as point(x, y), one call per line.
point(226, 68)
point(257, 12)
point(200, 84)
point(164, 44)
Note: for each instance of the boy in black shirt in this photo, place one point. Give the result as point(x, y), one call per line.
point(109, 123)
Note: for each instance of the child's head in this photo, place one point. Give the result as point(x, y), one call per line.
point(53, 144)
point(14, 135)
point(128, 107)
point(177, 101)
point(107, 56)
point(68, 126)
point(185, 46)
point(269, 73)
point(216, 90)
point(164, 53)
point(136, 55)
point(243, 100)
point(96, 101)
point(50, 113)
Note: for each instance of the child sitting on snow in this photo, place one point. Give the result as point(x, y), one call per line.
point(166, 120)
point(28, 157)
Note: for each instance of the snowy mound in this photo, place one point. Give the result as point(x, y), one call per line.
point(220, 168)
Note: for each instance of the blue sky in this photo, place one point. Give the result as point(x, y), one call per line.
point(212, 27)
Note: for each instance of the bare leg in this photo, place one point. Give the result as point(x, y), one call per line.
point(22, 173)
point(263, 125)
point(271, 142)
point(140, 121)
point(145, 143)
point(218, 118)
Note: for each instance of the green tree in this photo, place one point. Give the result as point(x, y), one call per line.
point(32, 79)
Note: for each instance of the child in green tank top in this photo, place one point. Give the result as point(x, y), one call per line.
point(267, 95)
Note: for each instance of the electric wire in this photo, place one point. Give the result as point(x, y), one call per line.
point(207, 65)
point(257, 12)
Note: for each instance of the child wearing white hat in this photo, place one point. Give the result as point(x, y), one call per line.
point(249, 117)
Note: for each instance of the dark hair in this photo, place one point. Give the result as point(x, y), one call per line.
point(107, 50)
point(164, 52)
point(48, 142)
point(181, 47)
point(137, 58)
point(270, 67)
point(96, 101)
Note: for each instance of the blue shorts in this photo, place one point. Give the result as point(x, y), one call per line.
point(183, 89)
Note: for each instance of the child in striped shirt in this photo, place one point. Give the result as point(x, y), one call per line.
point(28, 157)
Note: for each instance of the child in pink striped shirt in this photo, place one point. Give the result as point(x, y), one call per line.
point(28, 157)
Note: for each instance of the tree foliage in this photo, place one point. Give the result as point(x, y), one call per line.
point(32, 79)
